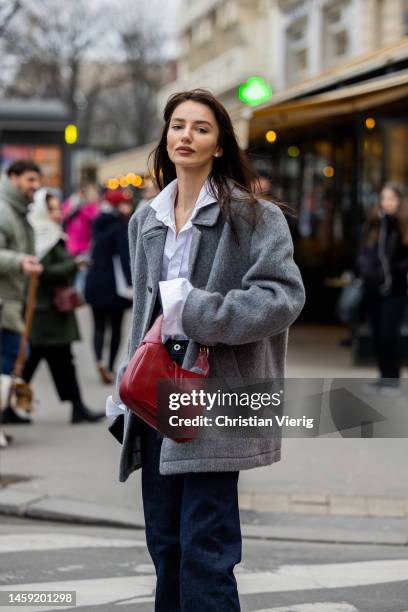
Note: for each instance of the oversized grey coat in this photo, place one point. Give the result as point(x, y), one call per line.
point(244, 299)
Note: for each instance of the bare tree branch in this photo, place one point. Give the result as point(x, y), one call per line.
point(103, 62)
point(7, 13)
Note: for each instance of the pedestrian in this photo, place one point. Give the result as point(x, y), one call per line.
point(53, 331)
point(149, 191)
point(17, 261)
point(109, 264)
point(262, 185)
point(383, 266)
point(219, 263)
point(78, 214)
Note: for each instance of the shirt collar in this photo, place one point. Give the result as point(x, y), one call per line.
point(163, 203)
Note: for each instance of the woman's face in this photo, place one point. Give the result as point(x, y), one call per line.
point(54, 209)
point(125, 209)
point(192, 137)
point(389, 201)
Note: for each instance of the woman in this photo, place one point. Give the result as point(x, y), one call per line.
point(109, 262)
point(52, 331)
point(220, 265)
point(78, 214)
point(383, 265)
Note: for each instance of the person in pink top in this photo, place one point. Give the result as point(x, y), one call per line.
point(78, 213)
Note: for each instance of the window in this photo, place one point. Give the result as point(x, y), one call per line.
point(186, 40)
point(336, 33)
point(378, 23)
point(405, 18)
point(334, 15)
point(227, 14)
point(341, 43)
point(203, 31)
point(296, 51)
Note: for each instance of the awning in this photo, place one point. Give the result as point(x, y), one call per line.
point(34, 115)
point(133, 160)
point(343, 101)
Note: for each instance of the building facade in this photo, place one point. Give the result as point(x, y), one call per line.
point(336, 129)
point(224, 42)
point(336, 126)
point(221, 44)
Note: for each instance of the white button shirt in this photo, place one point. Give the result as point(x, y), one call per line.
point(174, 285)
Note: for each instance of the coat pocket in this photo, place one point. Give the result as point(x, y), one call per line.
point(224, 365)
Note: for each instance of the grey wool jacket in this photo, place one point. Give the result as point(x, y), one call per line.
point(245, 297)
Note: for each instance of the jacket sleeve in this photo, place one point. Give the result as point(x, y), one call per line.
point(10, 261)
point(402, 263)
point(269, 300)
point(60, 269)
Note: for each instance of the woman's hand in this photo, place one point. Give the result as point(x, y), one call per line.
point(82, 262)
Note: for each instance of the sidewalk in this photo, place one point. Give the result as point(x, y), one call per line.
point(325, 489)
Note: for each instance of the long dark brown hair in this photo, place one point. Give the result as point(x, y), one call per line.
point(232, 172)
point(372, 228)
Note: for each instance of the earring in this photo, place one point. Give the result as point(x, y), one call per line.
point(217, 155)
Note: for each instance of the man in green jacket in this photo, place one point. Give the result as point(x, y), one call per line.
point(17, 260)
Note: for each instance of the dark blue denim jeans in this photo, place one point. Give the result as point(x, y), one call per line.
point(9, 345)
point(193, 534)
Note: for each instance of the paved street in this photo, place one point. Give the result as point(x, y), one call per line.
point(326, 476)
point(325, 529)
point(110, 569)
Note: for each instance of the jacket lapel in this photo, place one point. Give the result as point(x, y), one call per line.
point(201, 253)
point(204, 244)
point(206, 236)
point(154, 238)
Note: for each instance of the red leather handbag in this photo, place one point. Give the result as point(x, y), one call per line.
point(151, 363)
point(67, 299)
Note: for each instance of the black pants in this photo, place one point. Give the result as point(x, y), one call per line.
point(102, 318)
point(386, 316)
point(61, 364)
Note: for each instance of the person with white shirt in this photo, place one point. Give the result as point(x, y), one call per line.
point(218, 263)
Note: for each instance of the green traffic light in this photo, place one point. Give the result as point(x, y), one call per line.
point(255, 91)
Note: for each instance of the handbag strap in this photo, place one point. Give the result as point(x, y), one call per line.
point(153, 336)
point(29, 311)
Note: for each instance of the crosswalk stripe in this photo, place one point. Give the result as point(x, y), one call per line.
point(322, 606)
point(325, 576)
point(131, 589)
point(20, 542)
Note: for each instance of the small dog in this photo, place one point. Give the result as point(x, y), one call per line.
point(15, 392)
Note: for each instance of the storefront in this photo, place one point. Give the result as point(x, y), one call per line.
point(328, 156)
point(35, 129)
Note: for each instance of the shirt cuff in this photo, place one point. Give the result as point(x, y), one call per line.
point(113, 409)
point(173, 294)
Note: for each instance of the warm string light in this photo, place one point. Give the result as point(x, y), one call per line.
point(135, 180)
point(328, 171)
point(271, 136)
point(370, 123)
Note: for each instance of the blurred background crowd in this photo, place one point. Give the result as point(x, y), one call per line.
point(318, 93)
